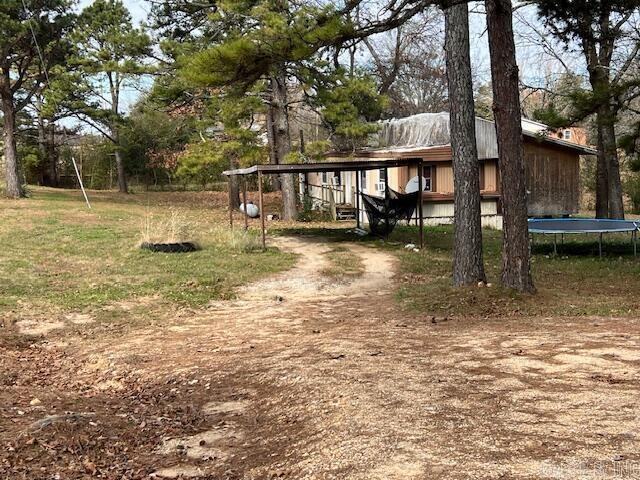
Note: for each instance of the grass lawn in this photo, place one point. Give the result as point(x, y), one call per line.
point(56, 254)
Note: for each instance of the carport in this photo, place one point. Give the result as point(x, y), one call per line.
point(336, 167)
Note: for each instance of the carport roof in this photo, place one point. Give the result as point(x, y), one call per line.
point(343, 166)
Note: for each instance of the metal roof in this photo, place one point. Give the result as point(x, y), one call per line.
point(344, 166)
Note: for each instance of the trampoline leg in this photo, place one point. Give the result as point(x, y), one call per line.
point(600, 245)
point(555, 244)
point(635, 243)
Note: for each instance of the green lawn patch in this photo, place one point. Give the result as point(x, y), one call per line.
point(57, 253)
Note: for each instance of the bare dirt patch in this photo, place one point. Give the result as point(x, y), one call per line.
point(303, 379)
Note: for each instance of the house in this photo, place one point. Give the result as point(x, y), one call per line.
point(552, 169)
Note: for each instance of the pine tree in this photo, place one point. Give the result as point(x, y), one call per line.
point(21, 72)
point(516, 262)
point(269, 42)
point(112, 52)
point(468, 266)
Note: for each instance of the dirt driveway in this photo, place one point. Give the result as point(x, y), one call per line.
point(300, 378)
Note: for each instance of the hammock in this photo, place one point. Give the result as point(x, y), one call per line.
point(384, 213)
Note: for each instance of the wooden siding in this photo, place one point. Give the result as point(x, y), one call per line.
point(552, 181)
point(444, 172)
point(552, 176)
point(490, 176)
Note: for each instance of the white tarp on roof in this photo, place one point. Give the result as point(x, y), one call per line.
point(424, 130)
point(432, 130)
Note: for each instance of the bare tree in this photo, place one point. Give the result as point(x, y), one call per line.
point(410, 65)
point(606, 35)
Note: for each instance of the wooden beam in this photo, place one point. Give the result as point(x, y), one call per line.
point(262, 227)
point(244, 202)
point(420, 202)
point(230, 205)
point(358, 198)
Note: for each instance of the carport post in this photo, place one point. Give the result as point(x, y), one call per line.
point(230, 205)
point(420, 201)
point(386, 201)
point(358, 198)
point(244, 202)
point(264, 242)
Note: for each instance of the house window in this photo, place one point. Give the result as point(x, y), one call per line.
point(427, 173)
point(381, 186)
point(566, 134)
point(325, 178)
point(338, 179)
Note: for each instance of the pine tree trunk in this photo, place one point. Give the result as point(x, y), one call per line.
point(282, 143)
point(42, 150)
point(608, 184)
point(516, 270)
point(234, 185)
point(12, 169)
point(122, 177)
point(273, 158)
point(114, 87)
point(606, 122)
point(468, 267)
point(52, 154)
point(602, 182)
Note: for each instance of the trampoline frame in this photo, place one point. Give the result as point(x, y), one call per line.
point(623, 226)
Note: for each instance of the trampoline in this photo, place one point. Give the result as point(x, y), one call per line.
point(599, 226)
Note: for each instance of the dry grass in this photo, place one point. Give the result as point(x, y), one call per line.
point(343, 264)
point(171, 227)
point(238, 239)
